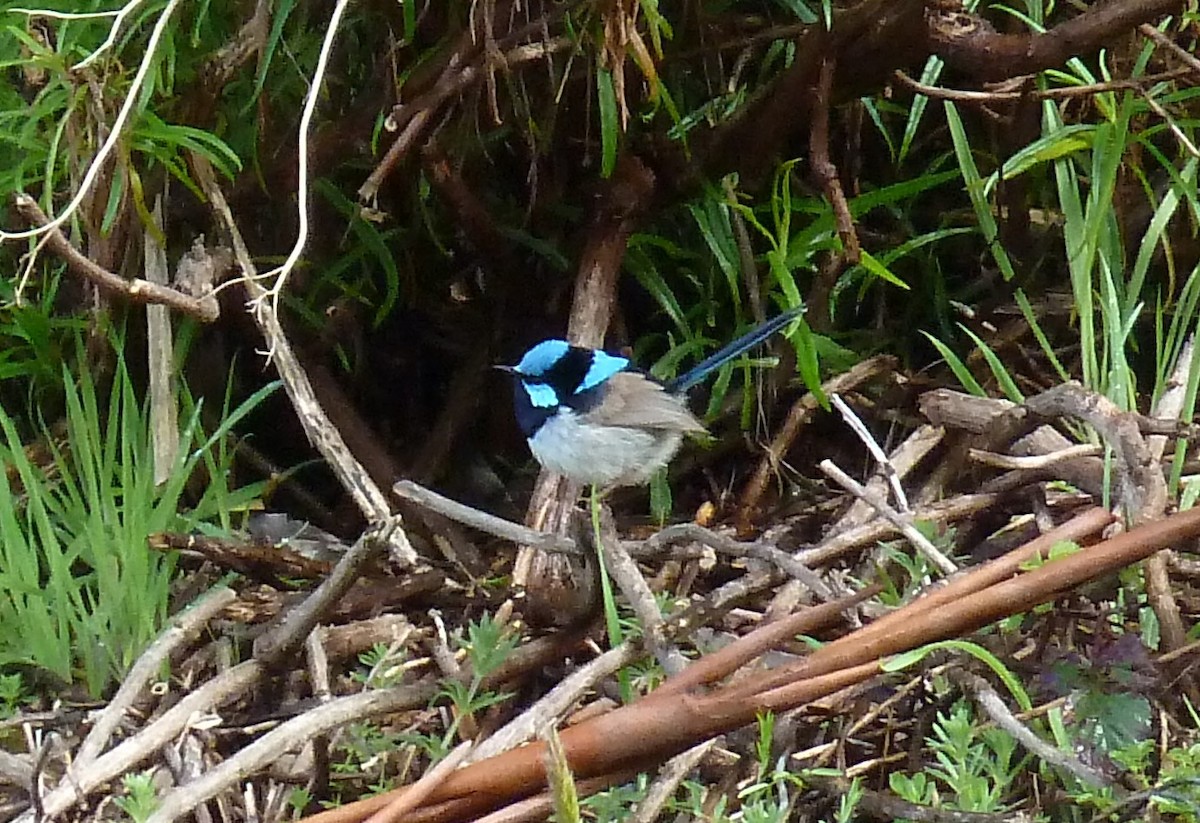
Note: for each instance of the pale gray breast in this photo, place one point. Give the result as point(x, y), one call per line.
point(633, 401)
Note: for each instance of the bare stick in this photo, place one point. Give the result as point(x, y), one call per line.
point(943, 511)
point(864, 434)
point(901, 522)
point(216, 692)
point(286, 737)
point(288, 636)
point(904, 459)
point(723, 544)
point(1169, 44)
point(183, 629)
point(801, 412)
point(484, 522)
point(1143, 492)
point(1034, 462)
point(412, 118)
point(994, 707)
point(968, 96)
point(160, 356)
point(824, 169)
point(669, 777)
point(679, 533)
point(318, 675)
point(1159, 591)
point(1180, 136)
point(633, 585)
point(16, 769)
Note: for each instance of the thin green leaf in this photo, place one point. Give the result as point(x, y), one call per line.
point(610, 127)
point(957, 366)
point(875, 267)
point(1011, 681)
point(1007, 384)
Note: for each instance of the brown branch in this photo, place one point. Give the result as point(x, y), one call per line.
point(965, 592)
point(717, 665)
point(1143, 491)
point(620, 207)
point(405, 803)
point(288, 635)
point(826, 174)
point(970, 44)
point(466, 207)
point(413, 117)
point(323, 435)
point(868, 41)
point(1004, 428)
point(824, 169)
point(205, 309)
point(748, 268)
point(1170, 405)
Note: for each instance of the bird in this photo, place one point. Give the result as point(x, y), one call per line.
point(598, 419)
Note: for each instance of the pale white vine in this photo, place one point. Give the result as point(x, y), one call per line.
point(280, 273)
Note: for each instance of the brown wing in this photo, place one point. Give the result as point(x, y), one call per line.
point(632, 400)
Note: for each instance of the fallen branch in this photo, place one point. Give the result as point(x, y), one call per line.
point(205, 309)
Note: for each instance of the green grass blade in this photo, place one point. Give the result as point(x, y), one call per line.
point(957, 366)
point(610, 126)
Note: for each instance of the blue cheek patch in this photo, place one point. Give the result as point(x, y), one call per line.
point(541, 395)
point(542, 357)
point(604, 366)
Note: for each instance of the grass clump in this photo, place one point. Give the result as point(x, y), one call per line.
point(81, 595)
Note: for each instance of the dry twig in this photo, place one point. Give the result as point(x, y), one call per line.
point(204, 309)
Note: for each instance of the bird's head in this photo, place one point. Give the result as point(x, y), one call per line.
point(554, 373)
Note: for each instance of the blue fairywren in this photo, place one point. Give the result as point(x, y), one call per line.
point(595, 418)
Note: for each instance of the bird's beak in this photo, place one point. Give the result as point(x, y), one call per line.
point(506, 369)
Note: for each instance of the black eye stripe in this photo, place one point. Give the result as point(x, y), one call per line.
point(568, 372)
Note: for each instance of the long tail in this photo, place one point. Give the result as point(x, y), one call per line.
point(743, 344)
